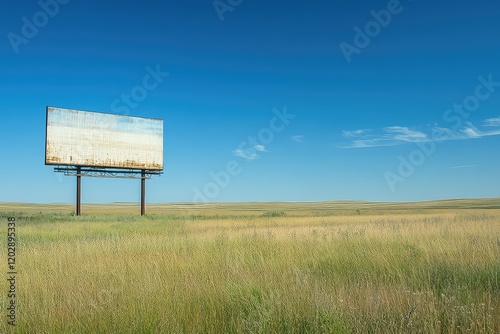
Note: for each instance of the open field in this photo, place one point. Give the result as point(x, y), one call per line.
point(257, 268)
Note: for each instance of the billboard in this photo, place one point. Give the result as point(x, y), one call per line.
point(93, 139)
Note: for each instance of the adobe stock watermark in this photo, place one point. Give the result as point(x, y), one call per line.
point(122, 105)
point(455, 116)
point(11, 271)
point(246, 150)
point(223, 6)
point(106, 297)
point(139, 93)
point(371, 29)
point(30, 27)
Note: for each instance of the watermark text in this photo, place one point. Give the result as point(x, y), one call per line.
point(11, 271)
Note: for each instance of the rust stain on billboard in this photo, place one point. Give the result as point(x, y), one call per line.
point(83, 138)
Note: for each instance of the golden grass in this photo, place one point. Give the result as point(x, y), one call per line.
point(235, 270)
point(256, 208)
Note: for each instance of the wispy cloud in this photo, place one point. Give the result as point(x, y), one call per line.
point(260, 148)
point(398, 135)
point(363, 143)
point(250, 153)
point(298, 138)
point(355, 133)
point(390, 136)
point(465, 166)
point(492, 122)
point(247, 154)
point(402, 133)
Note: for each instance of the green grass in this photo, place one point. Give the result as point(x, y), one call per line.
point(231, 269)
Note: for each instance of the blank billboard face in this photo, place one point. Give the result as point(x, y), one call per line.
point(83, 138)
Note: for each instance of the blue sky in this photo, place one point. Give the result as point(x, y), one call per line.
point(263, 100)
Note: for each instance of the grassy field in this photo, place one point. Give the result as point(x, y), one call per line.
point(333, 267)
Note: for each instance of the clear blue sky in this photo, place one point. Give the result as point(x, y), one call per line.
point(386, 100)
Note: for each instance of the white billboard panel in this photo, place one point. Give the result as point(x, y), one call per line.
point(84, 138)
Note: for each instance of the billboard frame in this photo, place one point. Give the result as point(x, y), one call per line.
point(116, 166)
point(104, 171)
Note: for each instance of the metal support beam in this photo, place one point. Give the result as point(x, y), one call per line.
point(143, 192)
point(106, 172)
point(78, 193)
point(80, 171)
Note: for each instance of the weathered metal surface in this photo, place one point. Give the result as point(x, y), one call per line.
point(83, 138)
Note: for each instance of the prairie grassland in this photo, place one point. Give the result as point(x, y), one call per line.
point(249, 269)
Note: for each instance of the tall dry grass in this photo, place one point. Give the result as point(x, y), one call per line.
point(379, 272)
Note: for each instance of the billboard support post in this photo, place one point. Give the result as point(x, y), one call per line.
point(143, 192)
point(78, 191)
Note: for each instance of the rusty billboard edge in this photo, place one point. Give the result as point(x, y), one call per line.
point(96, 139)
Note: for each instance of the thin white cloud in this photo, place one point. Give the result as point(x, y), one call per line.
point(247, 154)
point(472, 132)
point(390, 136)
point(298, 138)
point(402, 133)
point(398, 135)
point(492, 122)
point(465, 166)
point(260, 148)
point(355, 133)
point(364, 143)
point(250, 153)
